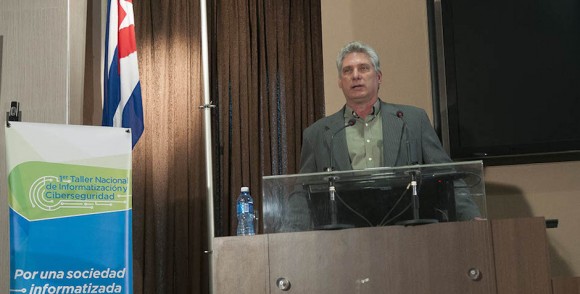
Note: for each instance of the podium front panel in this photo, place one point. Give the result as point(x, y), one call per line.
point(424, 259)
point(499, 256)
point(373, 197)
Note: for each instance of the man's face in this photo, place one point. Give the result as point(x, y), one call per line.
point(359, 80)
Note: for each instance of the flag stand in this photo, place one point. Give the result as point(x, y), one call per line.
point(207, 107)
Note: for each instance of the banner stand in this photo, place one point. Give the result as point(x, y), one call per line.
point(70, 208)
point(14, 114)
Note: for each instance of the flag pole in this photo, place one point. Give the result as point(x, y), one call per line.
point(208, 148)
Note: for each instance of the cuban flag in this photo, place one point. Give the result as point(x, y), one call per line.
point(122, 105)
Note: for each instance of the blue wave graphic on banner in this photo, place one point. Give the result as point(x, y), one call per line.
point(81, 254)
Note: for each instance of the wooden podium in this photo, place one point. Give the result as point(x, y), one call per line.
point(498, 256)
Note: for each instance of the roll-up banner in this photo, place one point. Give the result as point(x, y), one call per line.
point(69, 193)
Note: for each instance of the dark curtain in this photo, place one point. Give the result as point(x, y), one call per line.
point(169, 180)
point(267, 83)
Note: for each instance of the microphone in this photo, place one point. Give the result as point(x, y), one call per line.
point(334, 225)
point(350, 123)
point(411, 159)
point(411, 149)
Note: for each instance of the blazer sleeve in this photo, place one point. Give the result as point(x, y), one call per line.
point(433, 152)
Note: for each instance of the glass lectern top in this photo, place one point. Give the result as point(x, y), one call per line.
point(373, 197)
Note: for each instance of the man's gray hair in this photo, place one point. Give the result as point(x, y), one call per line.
point(358, 47)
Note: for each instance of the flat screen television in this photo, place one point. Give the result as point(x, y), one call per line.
point(507, 77)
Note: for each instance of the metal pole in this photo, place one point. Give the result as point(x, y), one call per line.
point(207, 132)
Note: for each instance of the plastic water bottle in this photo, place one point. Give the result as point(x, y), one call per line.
point(245, 209)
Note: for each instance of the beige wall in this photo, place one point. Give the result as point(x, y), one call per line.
point(398, 31)
point(42, 68)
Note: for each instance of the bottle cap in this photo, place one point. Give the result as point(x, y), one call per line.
point(245, 189)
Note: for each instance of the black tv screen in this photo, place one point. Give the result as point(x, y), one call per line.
point(511, 76)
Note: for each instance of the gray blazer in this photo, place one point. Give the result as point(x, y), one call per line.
point(427, 149)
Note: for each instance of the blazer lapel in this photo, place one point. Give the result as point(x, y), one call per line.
point(392, 131)
point(341, 159)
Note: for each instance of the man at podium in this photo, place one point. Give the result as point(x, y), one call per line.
point(368, 132)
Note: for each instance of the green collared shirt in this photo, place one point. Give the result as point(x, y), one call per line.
point(365, 138)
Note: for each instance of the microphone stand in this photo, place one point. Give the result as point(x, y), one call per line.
point(333, 208)
point(415, 203)
point(413, 173)
point(334, 225)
